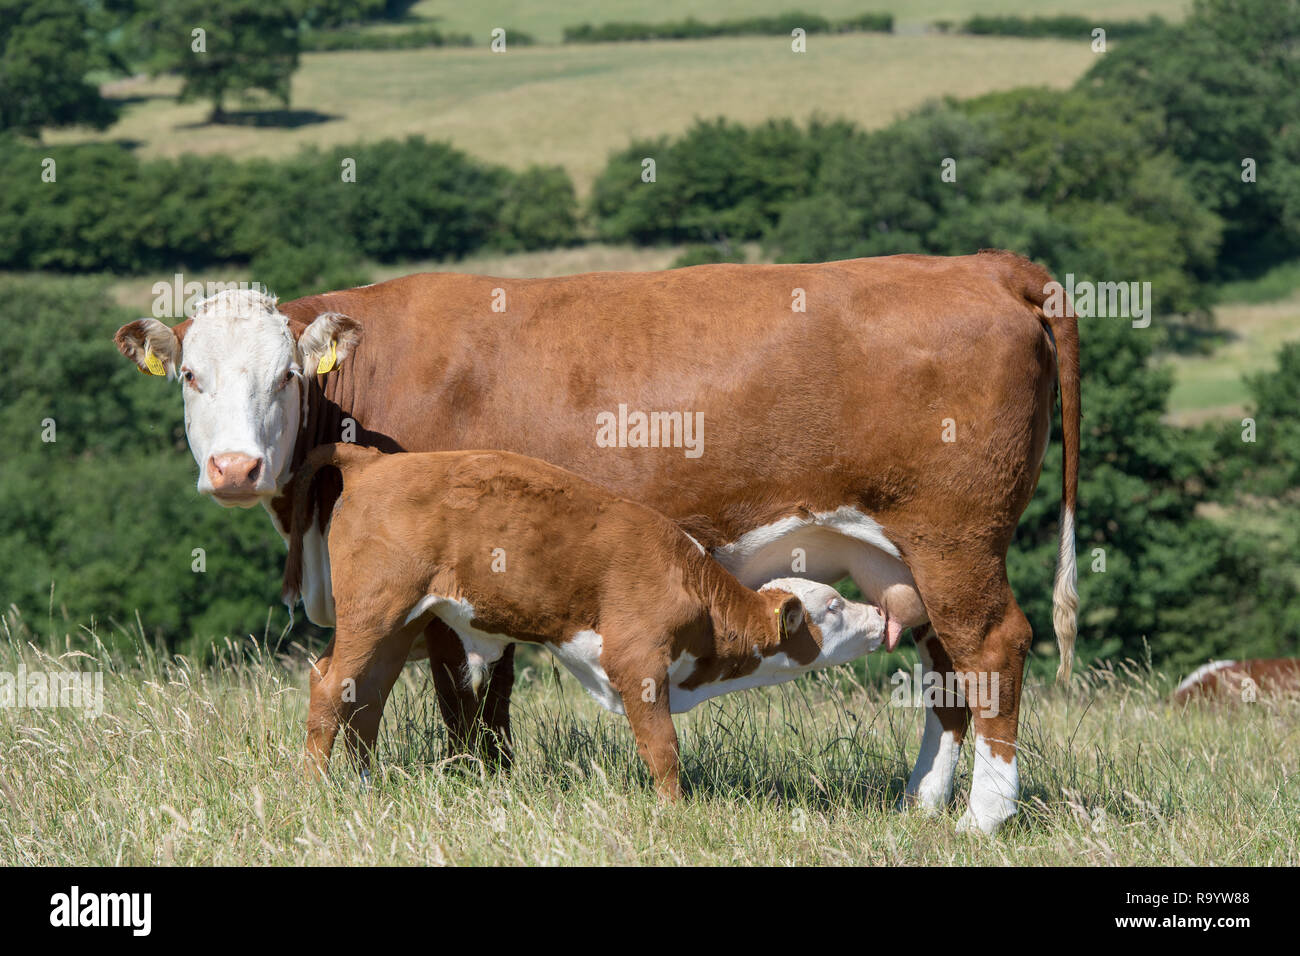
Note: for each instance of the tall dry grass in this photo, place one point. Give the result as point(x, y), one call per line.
point(198, 764)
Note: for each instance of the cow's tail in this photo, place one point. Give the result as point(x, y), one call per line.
point(1065, 595)
point(338, 455)
point(1057, 315)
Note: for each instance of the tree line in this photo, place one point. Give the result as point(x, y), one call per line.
point(1172, 162)
point(53, 53)
point(313, 217)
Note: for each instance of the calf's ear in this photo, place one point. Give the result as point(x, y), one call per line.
point(152, 346)
point(791, 612)
point(328, 341)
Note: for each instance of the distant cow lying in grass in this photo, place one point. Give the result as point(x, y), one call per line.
point(505, 548)
point(1241, 680)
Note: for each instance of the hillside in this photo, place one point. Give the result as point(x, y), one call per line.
point(573, 105)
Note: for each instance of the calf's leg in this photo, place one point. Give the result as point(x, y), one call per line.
point(322, 719)
point(646, 705)
point(374, 683)
point(349, 694)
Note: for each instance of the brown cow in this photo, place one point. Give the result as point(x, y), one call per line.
point(502, 549)
point(884, 419)
point(1241, 680)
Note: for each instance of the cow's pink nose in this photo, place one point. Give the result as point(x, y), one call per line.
point(233, 474)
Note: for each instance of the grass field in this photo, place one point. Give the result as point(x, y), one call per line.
point(1213, 386)
point(574, 105)
point(547, 21)
point(193, 764)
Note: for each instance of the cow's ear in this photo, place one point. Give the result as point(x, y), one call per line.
point(791, 612)
point(328, 341)
point(151, 345)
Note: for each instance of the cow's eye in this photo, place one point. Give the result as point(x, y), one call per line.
point(289, 375)
point(835, 605)
point(188, 377)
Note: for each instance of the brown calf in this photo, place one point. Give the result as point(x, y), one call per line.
point(504, 548)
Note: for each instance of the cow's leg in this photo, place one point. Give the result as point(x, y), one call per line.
point(986, 637)
point(497, 744)
point(885, 579)
point(995, 707)
point(477, 724)
point(447, 665)
point(930, 785)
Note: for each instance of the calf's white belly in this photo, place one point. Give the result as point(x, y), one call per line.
point(581, 657)
point(831, 545)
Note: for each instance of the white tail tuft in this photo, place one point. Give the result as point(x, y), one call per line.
point(1065, 596)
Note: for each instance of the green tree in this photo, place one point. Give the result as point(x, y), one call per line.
point(410, 199)
point(291, 271)
point(719, 180)
point(1155, 570)
point(224, 48)
point(1226, 84)
point(1261, 457)
point(46, 50)
point(324, 14)
point(539, 210)
point(105, 516)
point(1066, 178)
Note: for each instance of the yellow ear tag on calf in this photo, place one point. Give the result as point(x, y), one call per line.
point(329, 362)
point(153, 363)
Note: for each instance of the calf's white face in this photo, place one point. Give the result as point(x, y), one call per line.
point(848, 629)
point(242, 372)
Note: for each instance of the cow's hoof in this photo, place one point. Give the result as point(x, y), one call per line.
point(914, 803)
point(969, 824)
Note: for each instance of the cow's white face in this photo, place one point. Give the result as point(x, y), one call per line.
point(242, 373)
point(241, 376)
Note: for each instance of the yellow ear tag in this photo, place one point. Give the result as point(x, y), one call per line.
point(153, 363)
point(329, 362)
